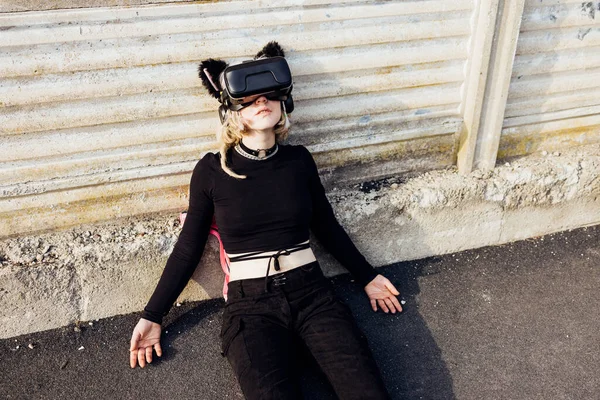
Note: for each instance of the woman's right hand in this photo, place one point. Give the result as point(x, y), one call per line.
point(146, 336)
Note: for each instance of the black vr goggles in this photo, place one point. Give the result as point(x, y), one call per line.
point(243, 83)
point(239, 85)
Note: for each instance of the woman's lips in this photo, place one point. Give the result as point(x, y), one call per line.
point(264, 111)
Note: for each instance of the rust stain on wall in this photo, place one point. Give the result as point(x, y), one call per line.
point(64, 215)
point(522, 144)
point(399, 150)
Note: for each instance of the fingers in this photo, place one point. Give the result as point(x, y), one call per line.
point(392, 288)
point(387, 304)
point(134, 340)
point(390, 304)
point(141, 357)
point(132, 358)
point(396, 303)
point(383, 305)
point(133, 349)
point(149, 354)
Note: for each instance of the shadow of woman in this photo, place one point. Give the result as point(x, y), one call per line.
point(410, 361)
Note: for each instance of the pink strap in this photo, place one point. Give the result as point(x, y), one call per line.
point(214, 230)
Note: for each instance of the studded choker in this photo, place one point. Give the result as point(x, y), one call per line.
point(261, 154)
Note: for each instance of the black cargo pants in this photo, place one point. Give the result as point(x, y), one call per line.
point(259, 330)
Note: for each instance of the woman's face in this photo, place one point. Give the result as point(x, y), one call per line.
point(263, 114)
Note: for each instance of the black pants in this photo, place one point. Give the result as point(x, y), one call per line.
point(259, 330)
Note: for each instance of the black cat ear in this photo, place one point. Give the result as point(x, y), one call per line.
point(271, 49)
point(209, 71)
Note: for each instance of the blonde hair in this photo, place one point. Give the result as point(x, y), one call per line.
point(233, 130)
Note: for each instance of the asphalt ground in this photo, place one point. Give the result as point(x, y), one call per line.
point(516, 321)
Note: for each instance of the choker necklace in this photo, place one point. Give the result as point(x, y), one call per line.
point(260, 154)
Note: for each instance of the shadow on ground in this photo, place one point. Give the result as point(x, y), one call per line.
point(409, 359)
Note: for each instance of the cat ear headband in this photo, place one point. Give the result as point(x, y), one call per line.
point(239, 85)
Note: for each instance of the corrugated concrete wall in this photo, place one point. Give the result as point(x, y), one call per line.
point(102, 114)
point(554, 96)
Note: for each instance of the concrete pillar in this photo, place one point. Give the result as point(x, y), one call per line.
point(493, 50)
point(502, 58)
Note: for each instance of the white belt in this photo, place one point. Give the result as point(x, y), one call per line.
point(256, 264)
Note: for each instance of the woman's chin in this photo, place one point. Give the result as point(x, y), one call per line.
point(264, 125)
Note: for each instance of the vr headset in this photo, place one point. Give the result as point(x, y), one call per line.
point(243, 83)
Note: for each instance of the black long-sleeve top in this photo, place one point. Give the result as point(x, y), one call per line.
point(273, 208)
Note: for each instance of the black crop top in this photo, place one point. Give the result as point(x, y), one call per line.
point(273, 208)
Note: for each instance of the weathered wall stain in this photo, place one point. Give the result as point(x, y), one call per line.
point(589, 9)
point(582, 33)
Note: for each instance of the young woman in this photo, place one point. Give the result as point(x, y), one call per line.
point(265, 197)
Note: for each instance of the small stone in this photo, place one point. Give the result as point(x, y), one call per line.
point(76, 329)
point(507, 164)
point(402, 302)
point(81, 348)
point(556, 153)
point(18, 347)
point(178, 304)
point(64, 364)
point(544, 153)
point(39, 257)
point(90, 323)
point(30, 345)
point(394, 186)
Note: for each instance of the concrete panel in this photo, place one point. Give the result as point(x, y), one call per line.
point(553, 94)
point(37, 297)
point(101, 108)
point(115, 288)
point(532, 221)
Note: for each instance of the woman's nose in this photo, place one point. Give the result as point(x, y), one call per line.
point(261, 99)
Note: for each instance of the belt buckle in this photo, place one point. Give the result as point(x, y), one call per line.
point(279, 280)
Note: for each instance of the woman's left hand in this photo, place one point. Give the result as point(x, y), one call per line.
point(381, 291)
